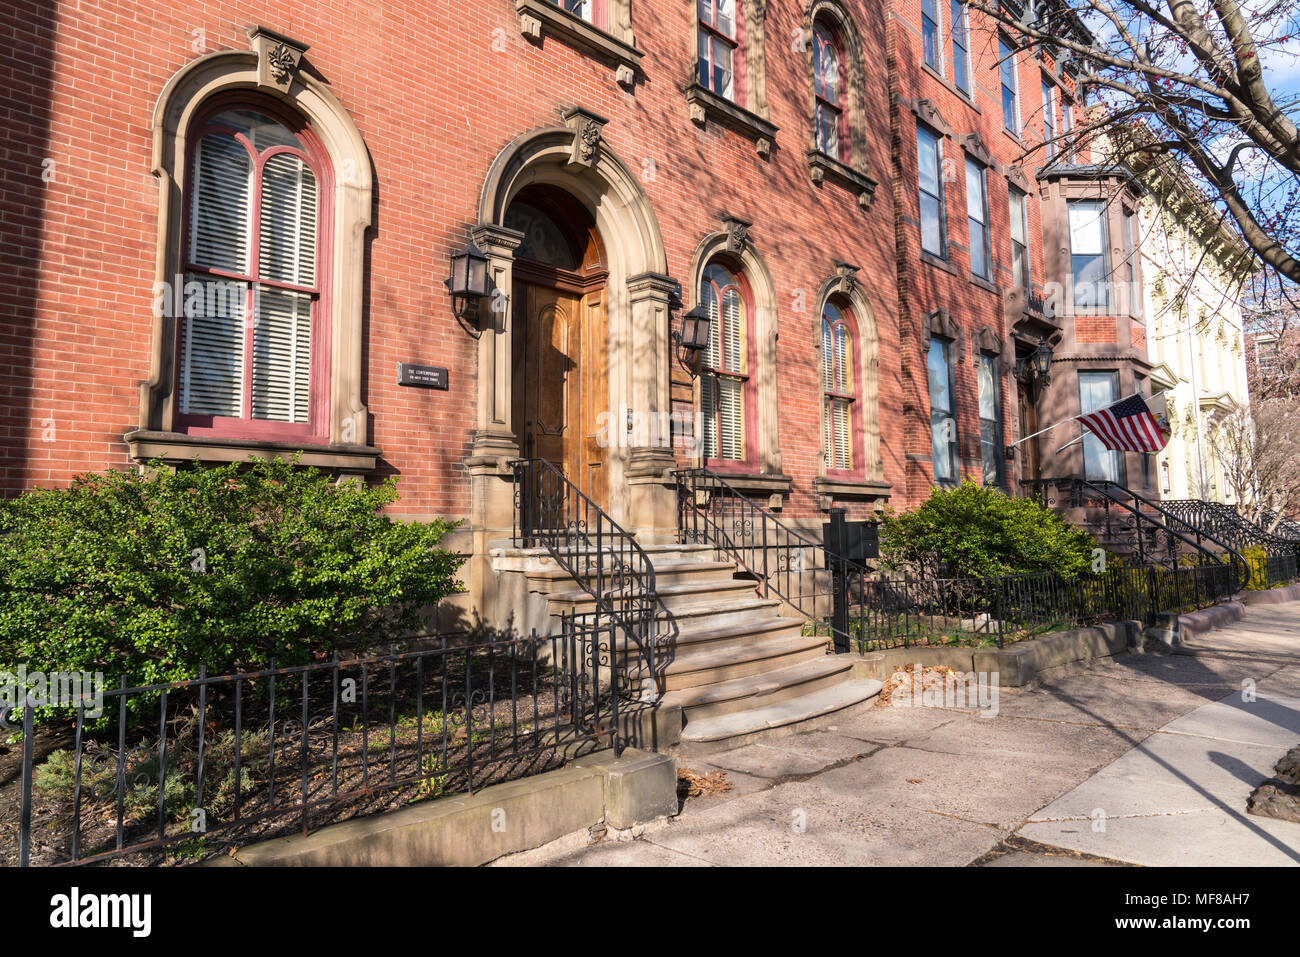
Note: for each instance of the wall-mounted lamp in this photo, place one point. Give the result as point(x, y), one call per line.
point(468, 284)
point(1036, 368)
point(693, 337)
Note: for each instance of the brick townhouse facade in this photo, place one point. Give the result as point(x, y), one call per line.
point(228, 224)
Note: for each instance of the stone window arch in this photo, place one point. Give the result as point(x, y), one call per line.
point(267, 77)
point(842, 303)
point(731, 248)
point(837, 144)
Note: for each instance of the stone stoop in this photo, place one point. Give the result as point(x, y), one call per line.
point(735, 665)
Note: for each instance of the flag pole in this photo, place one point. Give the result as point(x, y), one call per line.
point(1073, 417)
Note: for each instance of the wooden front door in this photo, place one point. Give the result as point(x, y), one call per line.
point(1029, 469)
point(561, 382)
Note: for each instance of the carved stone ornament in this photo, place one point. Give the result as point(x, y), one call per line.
point(927, 111)
point(1016, 177)
point(974, 145)
point(848, 277)
point(587, 136)
point(278, 57)
point(737, 234)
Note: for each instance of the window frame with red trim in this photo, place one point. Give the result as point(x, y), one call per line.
point(314, 158)
point(744, 374)
point(841, 370)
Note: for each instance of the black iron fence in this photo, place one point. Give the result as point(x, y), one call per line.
point(901, 612)
point(1172, 568)
point(189, 769)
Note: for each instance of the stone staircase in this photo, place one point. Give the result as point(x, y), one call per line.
point(737, 666)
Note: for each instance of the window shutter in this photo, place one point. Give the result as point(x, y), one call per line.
point(731, 411)
point(281, 356)
point(282, 341)
point(828, 358)
point(842, 383)
point(733, 320)
point(212, 351)
point(840, 415)
point(222, 204)
point(709, 414)
point(288, 228)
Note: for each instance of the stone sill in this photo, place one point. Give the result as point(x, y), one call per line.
point(537, 17)
point(705, 103)
point(823, 166)
point(828, 488)
point(938, 263)
point(966, 99)
point(177, 448)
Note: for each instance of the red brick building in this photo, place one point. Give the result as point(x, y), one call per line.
point(228, 225)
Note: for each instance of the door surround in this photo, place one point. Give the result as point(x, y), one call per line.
point(575, 159)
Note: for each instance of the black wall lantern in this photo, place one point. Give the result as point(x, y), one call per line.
point(1035, 369)
point(693, 337)
point(468, 283)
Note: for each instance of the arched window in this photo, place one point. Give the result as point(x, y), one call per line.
point(828, 89)
point(725, 383)
point(839, 431)
point(252, 346)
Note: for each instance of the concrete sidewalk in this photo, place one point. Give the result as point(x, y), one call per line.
point(1142, 759)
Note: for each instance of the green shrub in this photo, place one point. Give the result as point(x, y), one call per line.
point(974, 531)
point(150, 575)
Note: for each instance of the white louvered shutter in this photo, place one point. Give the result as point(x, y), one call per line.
point(212, 346)
point(287, 250)
point(731, 405)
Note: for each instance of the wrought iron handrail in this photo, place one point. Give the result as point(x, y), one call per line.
point(1229, 524)
point(1175, 528)
point(1284, 527)
point(603, 558)
point(781, 558)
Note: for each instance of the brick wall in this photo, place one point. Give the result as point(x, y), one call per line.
point(436, 97)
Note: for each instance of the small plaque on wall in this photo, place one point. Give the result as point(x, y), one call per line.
point(424, 377)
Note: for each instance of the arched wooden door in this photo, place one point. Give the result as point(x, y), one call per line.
point(561, 336)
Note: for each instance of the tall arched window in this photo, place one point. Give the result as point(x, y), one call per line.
point(725, 383)
point(252, 343)
point(829, 83)
point(839, 429)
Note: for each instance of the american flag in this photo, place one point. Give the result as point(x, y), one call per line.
point(1130, 425)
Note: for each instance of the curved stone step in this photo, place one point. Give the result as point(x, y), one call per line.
point(722, 661)
point(739, 727)
point(755, 691)
point(674, 597)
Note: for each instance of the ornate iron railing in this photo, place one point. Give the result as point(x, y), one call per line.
point(188, 770)
point(1226, 523)
point(1272, 558)
point(1282, 526)
point(1152, 532)
point(604, 559)
point(787, 564)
